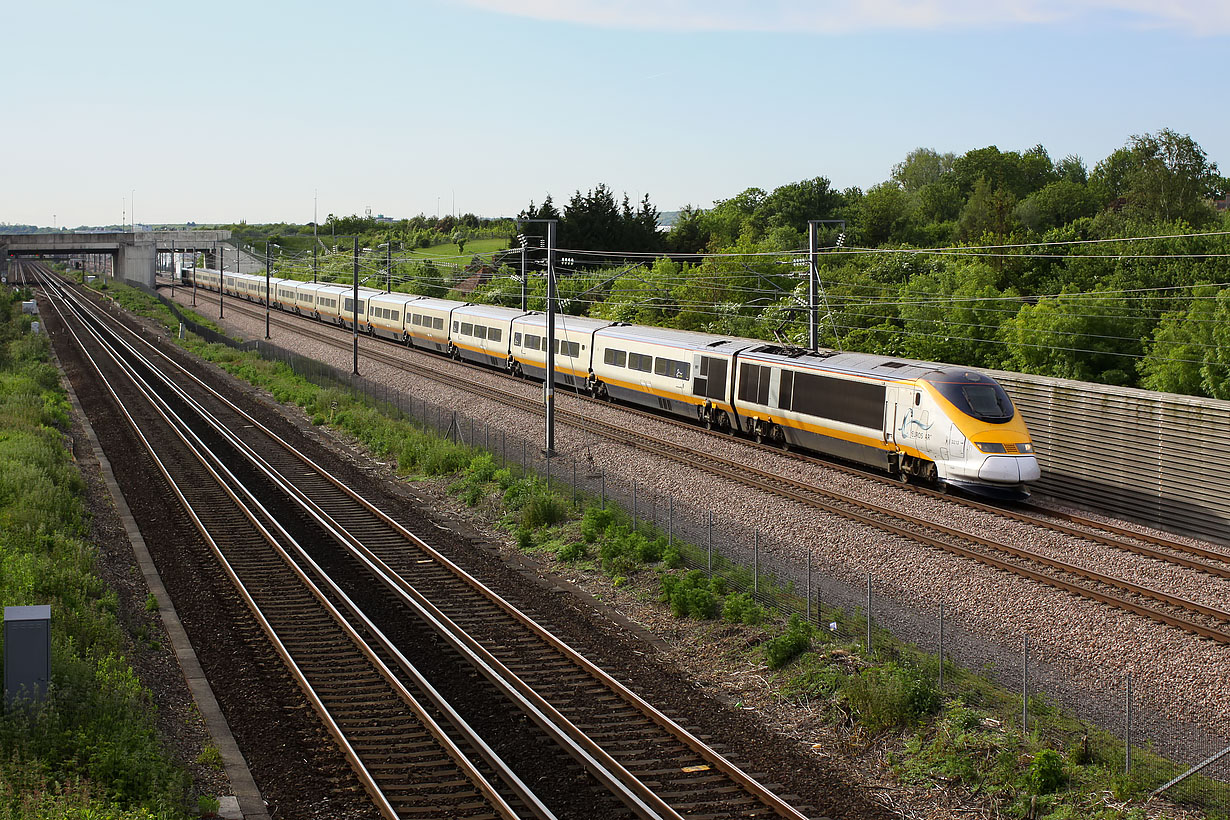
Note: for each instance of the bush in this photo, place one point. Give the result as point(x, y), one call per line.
point(891, 695)
point(741, 609)
point(573, 551)
point(542, 509)
point(790, 644)
point(1046, 772)
point(689, 595)
point(595, 522)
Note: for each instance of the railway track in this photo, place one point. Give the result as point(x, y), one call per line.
point(348, 597)
point(1156, 604)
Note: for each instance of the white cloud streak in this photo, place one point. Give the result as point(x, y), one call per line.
point(1197, 17)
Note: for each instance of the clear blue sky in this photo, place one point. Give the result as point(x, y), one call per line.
point(225, 111)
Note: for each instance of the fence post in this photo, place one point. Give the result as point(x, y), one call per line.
point(634, 505)
point(1127, 730)
point(756, 566)
point(941, 646)
point(604, 489)
point(869, 614)
point(711, 543)
point(1024, 684)
point(670, 521)
point(808, 612)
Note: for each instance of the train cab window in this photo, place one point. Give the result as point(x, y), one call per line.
point(495, 334)
point(973, 393)
point(516, 340)
point(480, 331)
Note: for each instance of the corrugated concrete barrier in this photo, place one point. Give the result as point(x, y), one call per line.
point(1156, 458)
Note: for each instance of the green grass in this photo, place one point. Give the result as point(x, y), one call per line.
point(449, 249)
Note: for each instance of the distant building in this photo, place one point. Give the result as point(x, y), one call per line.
point(384, 220)
point(1222, 204)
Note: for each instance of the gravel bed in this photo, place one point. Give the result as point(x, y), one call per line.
point(1086, 649)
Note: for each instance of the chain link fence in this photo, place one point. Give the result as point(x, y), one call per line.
point(846, 608)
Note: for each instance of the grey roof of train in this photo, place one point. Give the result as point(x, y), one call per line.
point(582, 323)
point(888, 367)
point(488, 312)
point(432, 303)
point(681, 338)
point(398, 298)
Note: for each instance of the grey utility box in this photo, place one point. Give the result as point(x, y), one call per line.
point(27, 653)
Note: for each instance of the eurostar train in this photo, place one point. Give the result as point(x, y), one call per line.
point(945, 425)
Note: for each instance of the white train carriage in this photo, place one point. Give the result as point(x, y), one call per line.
point(303, 301)
point(429, 323)
point(350, 313)
point(574, 345)
point(387, 314)
point(482, 333)
point(827, 402)
point(329, 302)
point(206, 278)
point(284, 293)
point(684, 373)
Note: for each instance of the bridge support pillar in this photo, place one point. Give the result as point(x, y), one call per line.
point(135, 262)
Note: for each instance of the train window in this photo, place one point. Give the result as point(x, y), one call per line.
point(851, 401)
point(480, 331)
point(917, 399)
point(533, 342)
point(616, 358)
point(571, 349)
point(396, 317)
point(467, 329)
point(438, 323)
point(517, 340)
point(643, 363)
point(495, 334)
point(456, 325)
point(785, 390)
point(416, 318)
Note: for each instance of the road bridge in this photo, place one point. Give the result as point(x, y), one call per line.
point(133, 253)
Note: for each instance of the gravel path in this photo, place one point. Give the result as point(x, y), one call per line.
point(1083, 650)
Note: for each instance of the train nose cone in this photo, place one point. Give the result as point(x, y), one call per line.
point(1009, 469)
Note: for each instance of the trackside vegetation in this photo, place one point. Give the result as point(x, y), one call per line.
point(91, 750)
point(887, 703)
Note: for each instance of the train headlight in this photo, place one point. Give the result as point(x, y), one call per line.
point(1026, 447)
point(990, 447)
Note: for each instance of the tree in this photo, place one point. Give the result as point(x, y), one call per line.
point(1058, 204)
point(1173, 178)
point(988, 211)
point(1191, 348)
point(884, 214)
point(922, 167)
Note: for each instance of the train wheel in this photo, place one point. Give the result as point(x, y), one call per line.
point(779, 438)
point(723, 422)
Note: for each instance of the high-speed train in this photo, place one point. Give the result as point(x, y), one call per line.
point(946, 425)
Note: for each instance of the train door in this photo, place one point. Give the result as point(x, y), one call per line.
point(896, 404)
